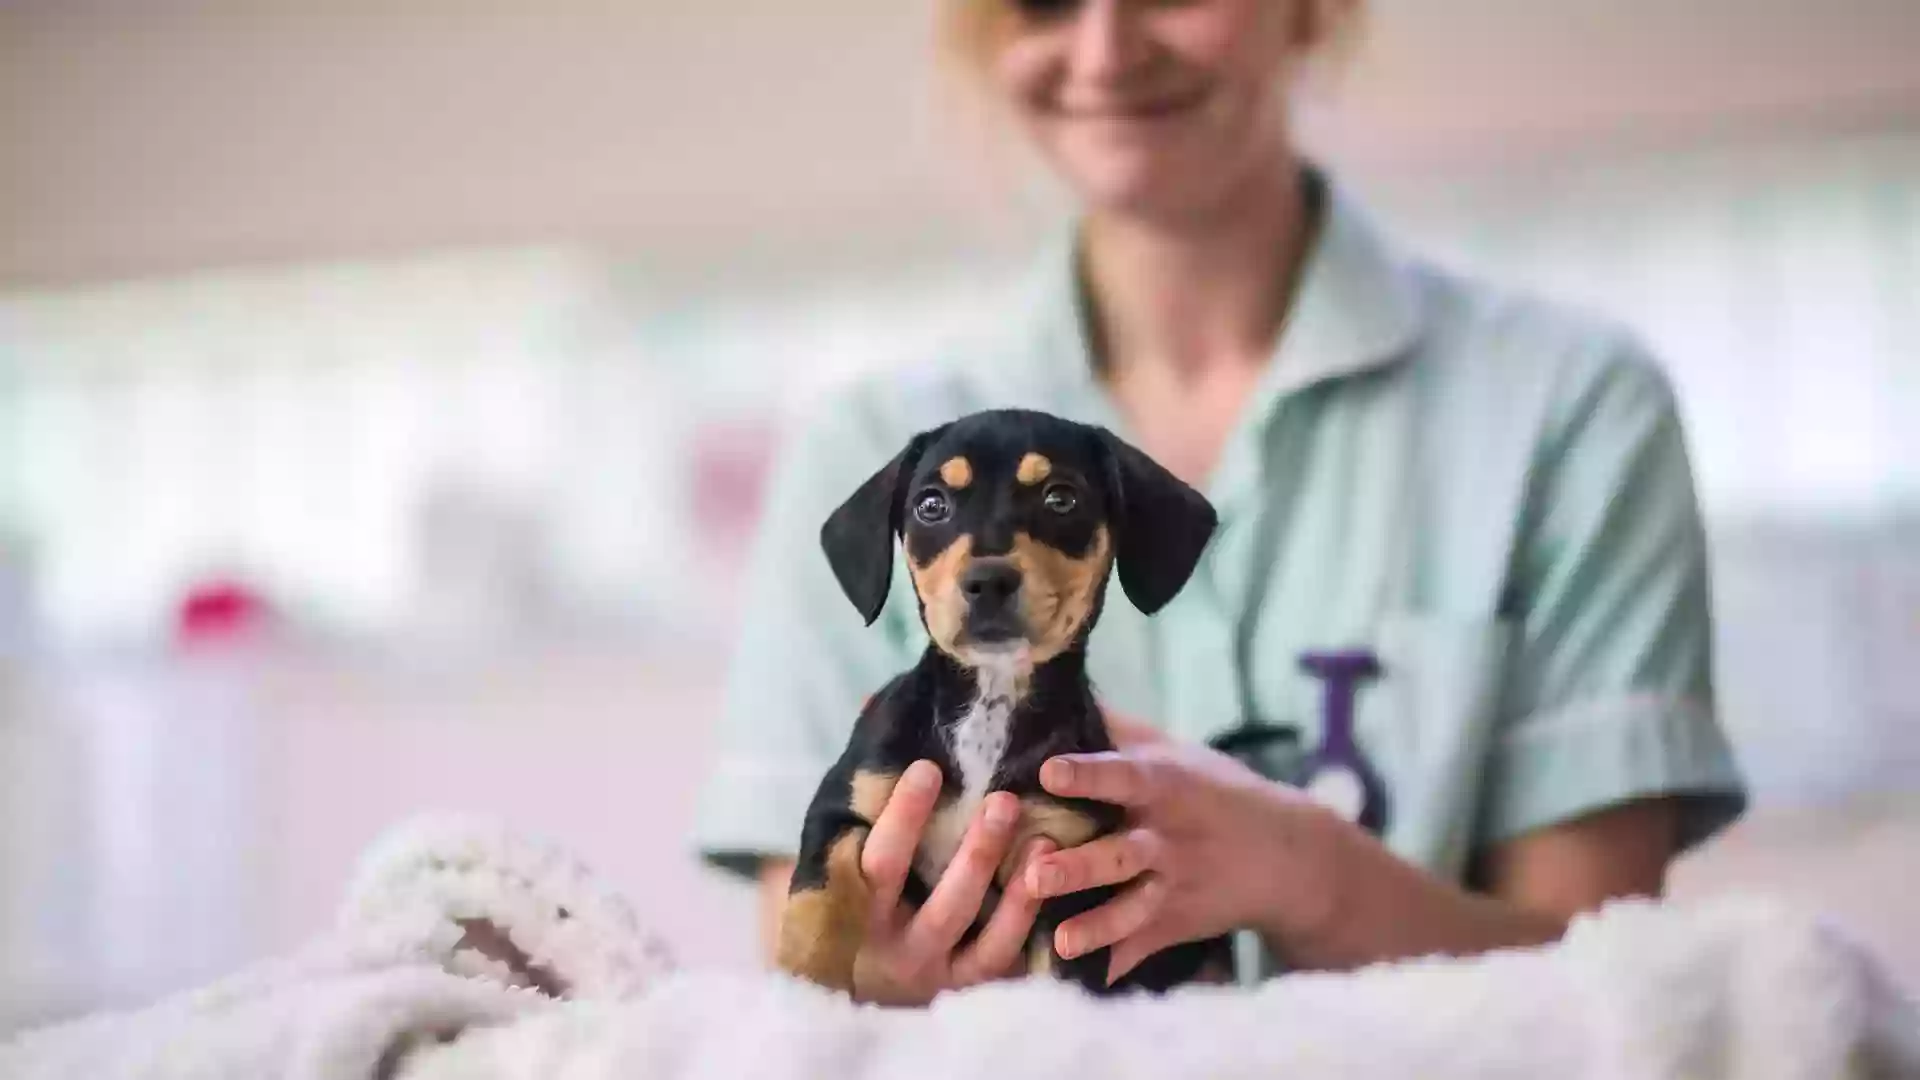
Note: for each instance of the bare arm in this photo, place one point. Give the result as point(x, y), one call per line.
point(1573, 868)
point(1536, 884)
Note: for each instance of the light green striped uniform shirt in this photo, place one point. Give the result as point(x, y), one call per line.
point(1490, 492)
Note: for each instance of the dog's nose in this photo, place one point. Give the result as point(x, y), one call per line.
point(990, 582)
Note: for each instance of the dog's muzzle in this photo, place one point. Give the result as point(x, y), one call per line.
point(992, 589)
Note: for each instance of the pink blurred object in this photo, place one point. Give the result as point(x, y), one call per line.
point(730, 463)
point(216, 612)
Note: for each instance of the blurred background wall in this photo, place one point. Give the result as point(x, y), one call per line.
point(458, 335)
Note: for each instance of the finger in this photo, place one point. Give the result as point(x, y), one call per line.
point(1110, 860)
point(1113, 777)
point(956, 900)
point(1003, 942)
point(1112, 921)
point(887, 856)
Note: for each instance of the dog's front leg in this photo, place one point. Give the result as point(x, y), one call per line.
point(828, 903)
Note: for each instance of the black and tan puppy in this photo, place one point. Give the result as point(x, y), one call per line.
point(1012, 521)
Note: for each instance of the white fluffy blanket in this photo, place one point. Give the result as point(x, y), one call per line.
point(403, 990)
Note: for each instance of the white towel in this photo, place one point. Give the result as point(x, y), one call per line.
point(397, 970)
point(1639, 991)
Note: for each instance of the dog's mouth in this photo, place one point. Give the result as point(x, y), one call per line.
point(998, 607)
point(1008, 655)
point(997, 628)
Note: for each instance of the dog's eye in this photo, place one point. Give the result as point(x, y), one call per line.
point(932, 507)
point(1060, 499)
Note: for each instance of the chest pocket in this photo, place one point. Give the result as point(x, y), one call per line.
point(1395, 544)
point(1428, 724)
point(1418, 727)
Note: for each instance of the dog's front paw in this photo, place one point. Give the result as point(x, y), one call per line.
point(820, 938)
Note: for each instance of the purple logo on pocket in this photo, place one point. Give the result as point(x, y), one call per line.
point(1337, 774)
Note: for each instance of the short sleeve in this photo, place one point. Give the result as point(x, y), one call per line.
point(803, 660)
point(1610, 693)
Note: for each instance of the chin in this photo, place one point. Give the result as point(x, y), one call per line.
point(1140, 184)
point(1001, 652)
point(1144, 201)
point(992, 644)
point(1169, 175)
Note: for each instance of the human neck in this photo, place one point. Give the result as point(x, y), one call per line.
point(1183, 300)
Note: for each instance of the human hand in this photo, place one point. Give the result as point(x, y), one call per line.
point(1211, 846)
point(908, 957)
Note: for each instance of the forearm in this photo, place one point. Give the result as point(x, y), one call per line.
point(1380, 908)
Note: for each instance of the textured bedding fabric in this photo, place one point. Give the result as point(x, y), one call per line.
point(1729, 988)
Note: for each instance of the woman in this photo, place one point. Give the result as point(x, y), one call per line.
point(1486, 496)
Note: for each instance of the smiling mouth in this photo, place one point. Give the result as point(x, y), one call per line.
point(1157, 109)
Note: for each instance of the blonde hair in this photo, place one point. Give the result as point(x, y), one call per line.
point(966, 31)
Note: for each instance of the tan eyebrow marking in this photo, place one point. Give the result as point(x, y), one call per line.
point(957, 472)
point(1033, 469)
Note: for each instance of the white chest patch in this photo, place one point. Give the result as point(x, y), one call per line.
point(979, 740)
point(976, 742)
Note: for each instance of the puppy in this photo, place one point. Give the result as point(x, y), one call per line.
point(1011, 522)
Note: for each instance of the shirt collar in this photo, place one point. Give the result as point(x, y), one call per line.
point(1355, 310)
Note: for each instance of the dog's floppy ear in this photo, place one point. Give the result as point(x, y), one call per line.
point(858, 535)
point(1160, 524)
